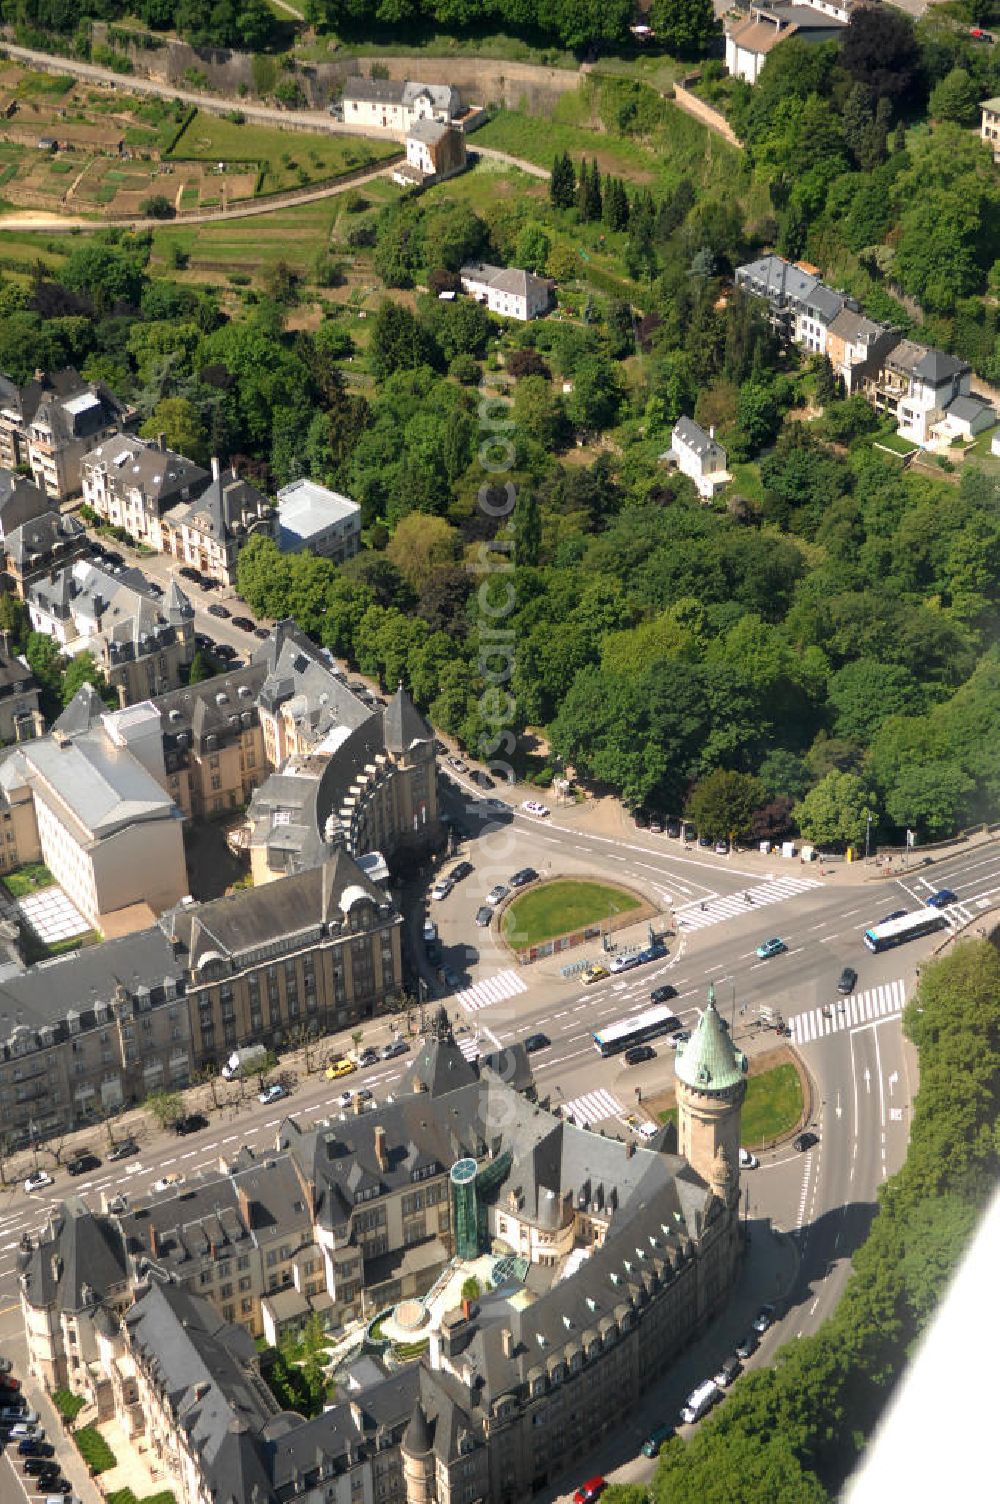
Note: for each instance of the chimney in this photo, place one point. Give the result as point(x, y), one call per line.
point(507, 1342)
point(154, 1241)
point(215, 467)
point(711, 430)
point(381, 1151)
point(161, 442)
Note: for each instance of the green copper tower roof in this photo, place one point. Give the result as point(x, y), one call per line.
point(710, 1061)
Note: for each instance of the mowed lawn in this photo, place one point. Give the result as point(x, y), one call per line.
point(558, 907)
point(773, 1105)
point(289, 159)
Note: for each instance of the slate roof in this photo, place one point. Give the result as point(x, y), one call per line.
point(44, 995)
point(201, 1223)
point(374, 90)
point(221, 509)
point(403, 724)
point(690, 433)
point(936, 367)
point(119, 607)
point(968, 408)
point(237, 925)
point(191, 714)
point(15, 675)
point(784, 284)
point(508, 279)
point(430, 132)
point(32, 543)
point(442, 96)
point(207, 1370)
point(161, 476)
point(21, 501)
point(78, 1258)
point(101, 787)
point(855, 327)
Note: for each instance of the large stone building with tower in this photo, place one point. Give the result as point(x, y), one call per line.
point(605, 1259)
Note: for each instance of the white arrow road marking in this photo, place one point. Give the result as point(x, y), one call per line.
point(892, 1081)
point(838, 1108)
point(868, 1080)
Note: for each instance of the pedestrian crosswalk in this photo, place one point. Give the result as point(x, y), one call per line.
point(592, 1107)
point(957, 914)
point(469, 1047)
point(492, 990)
point(848, 1012)
point(695, 916)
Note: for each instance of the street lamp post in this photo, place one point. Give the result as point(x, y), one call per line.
point(868, 836)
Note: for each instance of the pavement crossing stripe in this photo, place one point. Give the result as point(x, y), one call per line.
point(469, 1048)
point(593, 1107)
point(859, 1008)
point(692, 916)
point(492, 990)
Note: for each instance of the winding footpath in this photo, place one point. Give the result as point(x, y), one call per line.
point(41, 221)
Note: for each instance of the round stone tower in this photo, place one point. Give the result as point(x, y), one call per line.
point(418, 1459)
point(711, 1084)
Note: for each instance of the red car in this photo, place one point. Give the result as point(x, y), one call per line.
point(591, 1490)
point(8, 1383)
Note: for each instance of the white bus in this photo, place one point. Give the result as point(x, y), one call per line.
point(907, 927)
point(636, 1030)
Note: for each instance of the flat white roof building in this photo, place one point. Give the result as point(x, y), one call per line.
point(312, 517)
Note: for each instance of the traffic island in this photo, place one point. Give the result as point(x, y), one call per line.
point(563, 912)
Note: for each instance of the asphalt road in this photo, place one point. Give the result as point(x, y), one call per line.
point(861, 1070)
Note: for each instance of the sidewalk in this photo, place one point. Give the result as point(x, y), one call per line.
point(69, 1459)
point(768, 1274)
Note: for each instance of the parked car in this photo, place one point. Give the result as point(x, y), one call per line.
point(763, 1319)
point(393, 1048)
point(655, 825)
point(804, 1141)
point(639, 1054)
point(124, 1150)
point(673, 828)
point(340, 1067)
point(9, 1385)
point(5, 1365)
point(729, 1371)
point(226, 651)
point(460, 871)
point(591, 1490)
point(244, 623)
point(441, 889)
point(497, 894)
point(680, 1037)
point(168, 1182)
point(346, 1098)
point(218, 609)
point(262, 632)
point(272, 1093)
point(484, 915)
point(458, 764)
point(536, 1042)
point(700, 1401)
point(662, 994)
point(593, 973)
point(749, 1345)
point(768, 948)
point(847, 981)
point(656, 1439)
point(942, 898)
point(189, 573)
point(534, 807)
point(705, 841)
point(483, 780)
point(208, 583)
point(748, 1161)
point(35, 1465)
point(38, 1180)
point(191, 1122)
point(32, 1447)
point(722, 848)
point(82, 1163)
point(523, 876)
point(640, 818)
point(368, 1057)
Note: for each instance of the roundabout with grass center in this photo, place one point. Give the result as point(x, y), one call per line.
point(565, 905)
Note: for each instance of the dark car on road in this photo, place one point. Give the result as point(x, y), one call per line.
point(655, 1440)
point(641, 818)
point(225, 650)
point(484, 915)
point(662, 994)
point(463, 869)
point(523, 877)
point(942, 898)
point(763, 1320)
point(673, 828)
point(748, 1346)
point(847, 981)
point(218, 609)
point(394, 1048)
point(244, 623)
point(82, 1163)
point(191, 1122)
point(368, 1057)
point(32, 1447)
point(639, 1054)
point(804, 1141)
point(124, 1150)
point(536, 1042)
point(189, 573)
point(896, 914)
point(262, 632)
point(483, 780)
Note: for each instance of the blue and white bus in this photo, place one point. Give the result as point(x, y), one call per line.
point(622, 1035)
point(907, 927)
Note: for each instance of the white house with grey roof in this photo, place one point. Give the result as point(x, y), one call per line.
point(508, 291)
point(433, 151)
point(699, 456)
point(314, 518)
point(393, 105)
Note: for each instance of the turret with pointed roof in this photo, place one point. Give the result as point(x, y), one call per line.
point(403, 724)
point(711, 1084)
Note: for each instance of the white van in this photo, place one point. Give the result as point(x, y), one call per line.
point(700, 1402)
